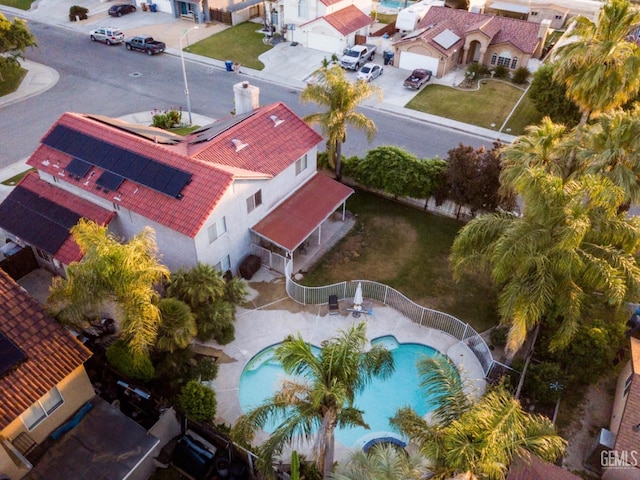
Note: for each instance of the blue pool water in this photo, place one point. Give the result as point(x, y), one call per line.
point(394, 4)
point(262, 375)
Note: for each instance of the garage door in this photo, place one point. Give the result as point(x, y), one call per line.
point(411, 61)
point(324, 43)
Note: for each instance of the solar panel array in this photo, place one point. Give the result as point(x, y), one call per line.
point(118, 163)
point(37, 220)
point(10, 355)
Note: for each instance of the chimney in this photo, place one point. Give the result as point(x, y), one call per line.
point(543, 31)
point(246, 97)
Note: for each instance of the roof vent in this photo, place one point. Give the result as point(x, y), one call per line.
point(239, 145)
point(46, 162)
point(276, 121)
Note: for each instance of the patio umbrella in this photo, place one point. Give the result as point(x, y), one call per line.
point(357, 298)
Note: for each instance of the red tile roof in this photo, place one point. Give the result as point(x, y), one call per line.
point(534, 468)
point(291, 222)
point(347, 20)
point(186, 215)
point(272, 144)
point(69, 251)
point(627, 438)
point(51, 352)
point(329, 2)
point(521, 34)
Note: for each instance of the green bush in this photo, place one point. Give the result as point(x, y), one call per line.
point(540, 380)
point(77, 11)
point(121, 358)
point(521, 75)
point(166, 119)
point(198, 402)
point(501, 72)
point(499, 335)
point(477, 70)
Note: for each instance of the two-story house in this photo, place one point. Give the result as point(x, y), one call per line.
point(208, 195)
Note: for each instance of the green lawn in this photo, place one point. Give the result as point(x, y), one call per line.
point(11, 78)
point(526, 114)
point(21, 4)
point(241, 44)
point(407, 249)
point(477, 107)
point(13, 181)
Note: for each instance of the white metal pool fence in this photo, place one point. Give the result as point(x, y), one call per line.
point(416, 313)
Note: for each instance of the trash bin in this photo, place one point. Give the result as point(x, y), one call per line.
point(229, 65)
point(144, 6)
point(153, 7)
point(388, 57)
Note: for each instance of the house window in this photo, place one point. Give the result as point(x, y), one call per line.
point(627, 385)
point(494, 57)
point(514, 62)
point(43, 255)
point(534, 14)
point(558, 17)
point(217, 229)
point(302, 9)
point(224, 264)
point(301, 164)
point(254, 201)
point(43, 408)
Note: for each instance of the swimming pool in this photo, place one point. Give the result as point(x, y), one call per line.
point(262, 375)
point(399, 4)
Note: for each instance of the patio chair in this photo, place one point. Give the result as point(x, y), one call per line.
point(334, 307)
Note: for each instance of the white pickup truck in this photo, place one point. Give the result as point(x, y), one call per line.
point(357, 55)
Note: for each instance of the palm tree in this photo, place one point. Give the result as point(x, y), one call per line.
point(321, 396)
point(611, 147)
point(197, 286)
point(601, 69)
point(178, 327)
point(383, 462)
point(112, 271)
point(473, 440)
point(570, 246)
point(340, 97)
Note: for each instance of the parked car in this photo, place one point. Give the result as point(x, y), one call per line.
point(121, 9)
point(369, 71)
point(417, 78)
point(108, 35)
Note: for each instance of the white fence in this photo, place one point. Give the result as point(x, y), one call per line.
point(270, 259)
point(416, 313)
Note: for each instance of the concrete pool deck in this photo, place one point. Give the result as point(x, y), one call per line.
point(260, 328)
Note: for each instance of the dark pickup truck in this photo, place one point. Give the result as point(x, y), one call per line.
point(417, 78)
point(146, 44)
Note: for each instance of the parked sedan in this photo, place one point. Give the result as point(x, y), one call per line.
point(369, 71)
point(121, 9)
point(108, 35)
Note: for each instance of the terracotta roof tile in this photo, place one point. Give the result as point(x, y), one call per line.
point(51, 352)
point(534, 468)
point(269, 149)
point(520, 33)
point(346, 20)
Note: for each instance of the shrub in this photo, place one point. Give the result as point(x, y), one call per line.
point(121, 358)
point(540, 380)
point(500, 72)
point(198, 402)
point(77, 11)
point(166, 119)
point(499, 335)
point(477, 70)
point(521, 75)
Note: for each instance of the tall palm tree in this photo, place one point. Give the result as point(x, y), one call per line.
point(125, 273)
point(383, 462)
point(474, 440)
point(321, 396)
point(178, 327)
point(340, 97)
point(197, 286)
point(611, 147)
point(601, 69)
point(571, 246)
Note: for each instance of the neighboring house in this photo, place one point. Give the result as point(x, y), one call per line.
point(618, 454)
point(326, 25)
point(448, 38)
point(534, 468)
point(42, 377)
point(533, 12)
point(202, 194)
point(198, 10)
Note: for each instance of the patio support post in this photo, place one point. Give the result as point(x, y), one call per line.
point(464, 335)
point(320, 235)
point(344, 209)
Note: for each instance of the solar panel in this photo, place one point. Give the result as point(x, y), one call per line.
point(78, 167)
point(37, 220)
point(118, 163)
point(10, 355)
point(110, 181)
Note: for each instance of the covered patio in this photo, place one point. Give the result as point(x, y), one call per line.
point(304, 226)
